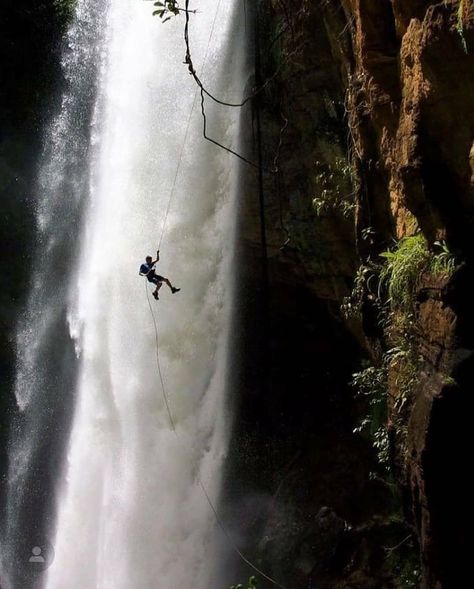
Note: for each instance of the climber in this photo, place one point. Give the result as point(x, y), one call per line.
point(148, 270)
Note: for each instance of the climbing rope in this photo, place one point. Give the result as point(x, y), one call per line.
point(187, 129)
point(188, 60)
point(236, 549)
point(275, 171)
point(204, 92)
point(165, 397)
point(198, 479)
point(172, 192)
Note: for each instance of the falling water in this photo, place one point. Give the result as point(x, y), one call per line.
point(128, 512)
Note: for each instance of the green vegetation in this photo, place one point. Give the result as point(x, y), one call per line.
point(398, 278)
point(399, 275)
point(443, 262)
point(166, 9)
point(391, 288)
point(460, 24)
point(449, 381)
point(336, 185)
point(366, 278)
point(403, 560)
point(64, 10)
point(251, 584)
point(405, 363)
point(405, 265)
point(401, 557)
point(371, 383)
point(402, 270)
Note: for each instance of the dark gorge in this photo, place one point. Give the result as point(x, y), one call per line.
point(350, 362)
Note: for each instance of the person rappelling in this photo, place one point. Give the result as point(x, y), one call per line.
point(148, 269)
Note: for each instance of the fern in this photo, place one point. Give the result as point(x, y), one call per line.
point(402, 270)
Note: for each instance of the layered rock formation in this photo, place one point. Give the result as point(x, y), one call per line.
point(368, 130)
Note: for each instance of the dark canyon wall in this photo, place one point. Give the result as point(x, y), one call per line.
point(367, 128)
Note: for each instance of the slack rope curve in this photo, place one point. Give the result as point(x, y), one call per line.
point(199, 482)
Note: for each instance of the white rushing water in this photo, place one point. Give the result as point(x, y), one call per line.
point(46, 364)
point(129, 511)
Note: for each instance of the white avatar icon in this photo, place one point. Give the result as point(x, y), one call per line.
point(36, 555)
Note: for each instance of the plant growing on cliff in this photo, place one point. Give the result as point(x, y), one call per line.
point(251, 584)
point(166, 9)
point(399, 365)
point(460, 24)
point(336, 185)
point(403, 560)
point(402, 269)
point(65, 8)
point(371, 383)
point(398, 279)
point(443, 262)
point(404, 362)
point(364, 280)
point(405, 265)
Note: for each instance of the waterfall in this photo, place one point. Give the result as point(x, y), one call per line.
point(127, 511)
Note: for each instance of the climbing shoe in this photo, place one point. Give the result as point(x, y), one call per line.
point(175, 290)
point(155, 294)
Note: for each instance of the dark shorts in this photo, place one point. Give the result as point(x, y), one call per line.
point(155, 278)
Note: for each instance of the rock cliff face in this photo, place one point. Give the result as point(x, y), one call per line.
point(368, 139)
point(367, 129)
